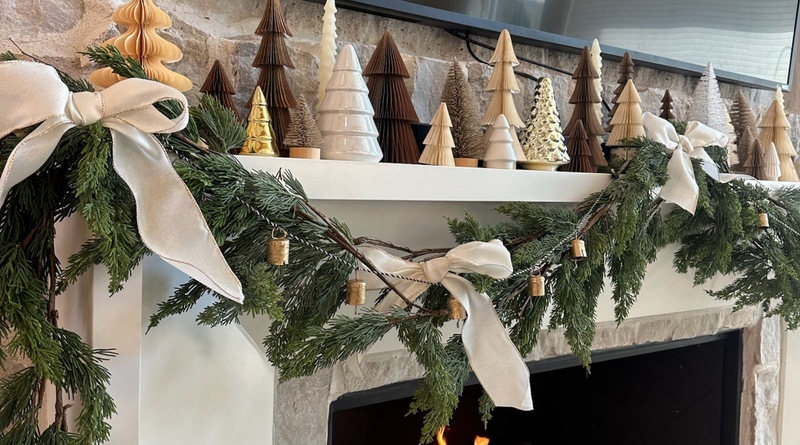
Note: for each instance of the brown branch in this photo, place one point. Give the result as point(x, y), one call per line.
point(438, 251)
point(32, 57)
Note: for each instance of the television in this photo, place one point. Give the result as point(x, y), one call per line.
point(751, 43)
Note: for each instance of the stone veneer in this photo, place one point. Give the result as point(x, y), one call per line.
point(302, 405)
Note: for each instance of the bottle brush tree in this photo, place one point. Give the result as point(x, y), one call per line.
point(463, 109)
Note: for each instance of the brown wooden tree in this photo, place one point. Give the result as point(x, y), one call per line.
point(272, 59)
point(219, 86)
point(666, 106)
point(625, 74)
point(580, 155)
point(584, 97)
point(394, 112)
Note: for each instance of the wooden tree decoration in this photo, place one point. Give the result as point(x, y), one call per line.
point(775, 129)
point(743, 145)
point(772, 163)
point(541, 139)
point(500, 153)
point(327, 49)
point(584, 97)
point(141, 42)
point(272, 59)
point(625, 74)
point(666, 106)
point(754, 165)
point(345, 116)
point(219, 86)
point(627, 121)
point(439, 142)
point(260, 136)
point(597, 60)
point(503, 85)
point(706, 105)
point(394, 112)
point(303, 137)
point(464, 115)
point(580, 155)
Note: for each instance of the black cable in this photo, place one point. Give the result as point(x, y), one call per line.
point(469, 42)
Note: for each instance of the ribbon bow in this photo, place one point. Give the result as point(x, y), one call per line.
point(170, 222)
point(681, 188)
point(494, 358)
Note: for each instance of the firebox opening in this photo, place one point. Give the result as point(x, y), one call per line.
point(684, 392)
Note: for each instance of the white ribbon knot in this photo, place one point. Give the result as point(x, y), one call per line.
point(170, 222)
point(681, 187)
point(493, 356)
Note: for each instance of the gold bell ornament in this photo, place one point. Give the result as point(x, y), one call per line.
point(278, 249)
point(763, 221)
point(455, 310)
point(536, 286)
point(356, 292)
point(578, 249)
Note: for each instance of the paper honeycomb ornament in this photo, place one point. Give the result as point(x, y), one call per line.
point(775, 129)
point(141, 42)
point(218, 85)
point(584, 96)
point(503, 85)
point(627, 121)
point(579, 152)
point(439, 142)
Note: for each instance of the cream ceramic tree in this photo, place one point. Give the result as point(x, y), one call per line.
point(503, 84)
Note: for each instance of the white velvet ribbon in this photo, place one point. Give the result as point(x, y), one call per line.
point(681, 188)
point(170, 222)
point(493, 356)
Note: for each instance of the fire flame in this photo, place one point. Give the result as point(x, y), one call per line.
point(440, 440)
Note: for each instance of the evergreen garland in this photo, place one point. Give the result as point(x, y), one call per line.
point(623, 226)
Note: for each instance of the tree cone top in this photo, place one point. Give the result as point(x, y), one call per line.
point(578, 132)
point(501, 123)
point(585, 66)
point(347, 60)
point(504, 52)
point(273, 20)
point(258, 98)
point(442, 116)
point(217, 81)
point(629, 94)
point(386, 59)
point(626, 64)
point(774, 117)
point(667, 97)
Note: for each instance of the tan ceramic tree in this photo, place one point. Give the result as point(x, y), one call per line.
point(503, 85)
point(439, 142)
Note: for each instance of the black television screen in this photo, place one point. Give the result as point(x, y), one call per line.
point(748, 42)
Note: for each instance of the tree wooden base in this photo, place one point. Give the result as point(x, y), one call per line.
point(540, 165)
point(304, 153)
point(465, 162)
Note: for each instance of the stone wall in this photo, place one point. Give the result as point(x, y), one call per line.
point(211, 29)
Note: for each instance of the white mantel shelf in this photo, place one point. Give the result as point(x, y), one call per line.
point(366, 181)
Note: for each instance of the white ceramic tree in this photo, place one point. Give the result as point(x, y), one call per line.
point(501, 153)
point(597, 61)
point(439, 141)
point(706, 105)
point(345, 116)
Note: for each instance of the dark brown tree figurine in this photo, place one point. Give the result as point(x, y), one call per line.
point(584, 97)
point(219, 86)
point(666, 106)
point(580, 155)
point(464, 115)
point(742, 118)
point(303, 136)
point(394, 112)
point(754, 165)
point(625, 74)
point(272, 59)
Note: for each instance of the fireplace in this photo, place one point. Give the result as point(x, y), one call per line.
point(679, 392)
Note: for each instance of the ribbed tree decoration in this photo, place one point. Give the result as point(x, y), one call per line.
point(218, 85)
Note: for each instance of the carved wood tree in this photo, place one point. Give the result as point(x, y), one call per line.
point(394, 112)
point(584, 96)
point(218, 85)
point(625, 74)
point(666, 106)
point(272, 59)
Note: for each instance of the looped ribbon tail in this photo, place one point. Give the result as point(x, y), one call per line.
point(681, 188)
point(170, 222)
point(493, 356)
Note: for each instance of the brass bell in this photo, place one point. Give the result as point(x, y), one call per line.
point(578, 249)
point(536, 286)
point(356, 291)
point(455, 311)
point(278, 249)
point(763, 221)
